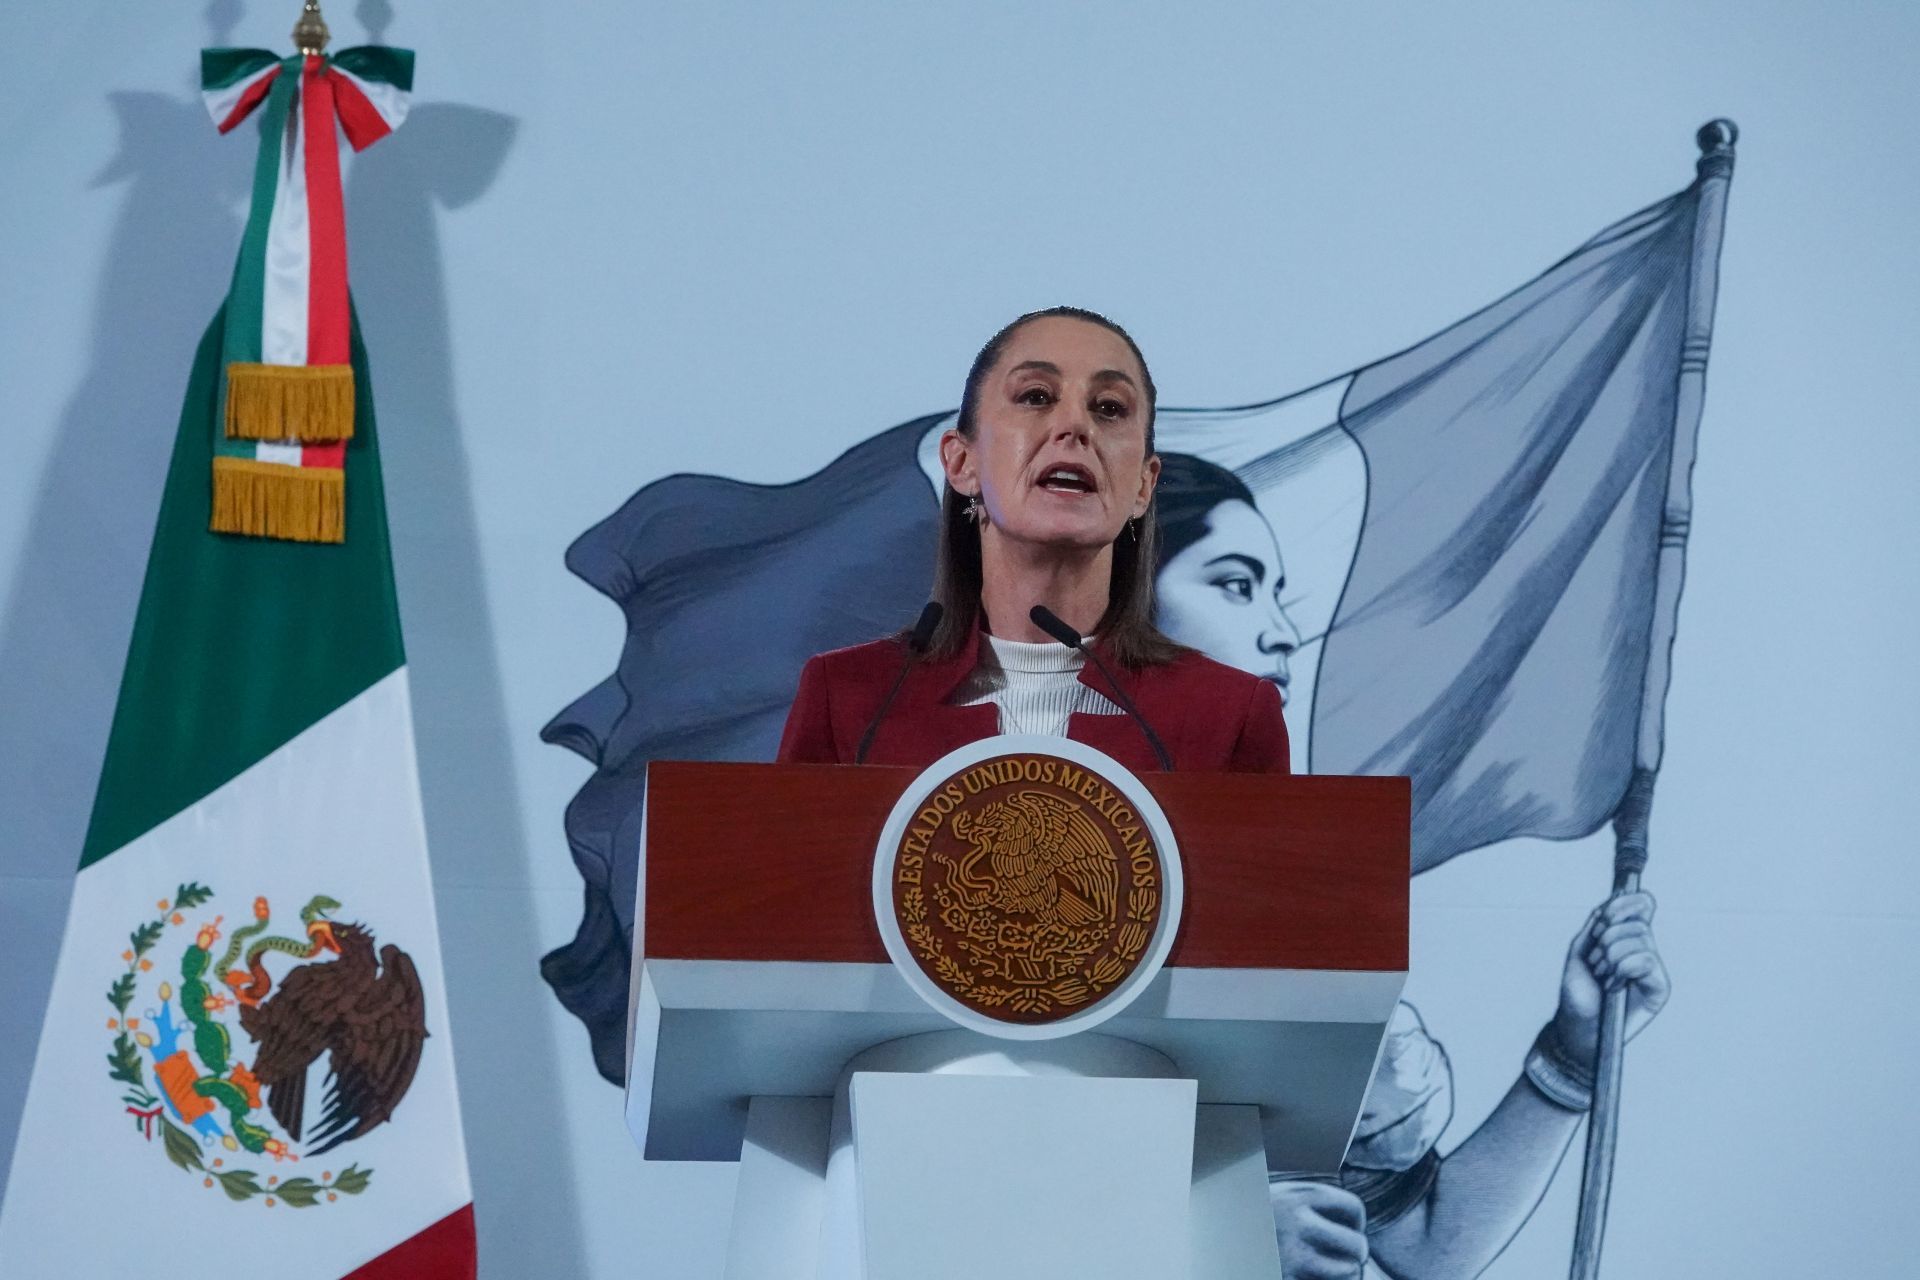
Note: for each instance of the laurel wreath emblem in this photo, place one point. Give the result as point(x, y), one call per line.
point(1088, 970)
point(127, 1066)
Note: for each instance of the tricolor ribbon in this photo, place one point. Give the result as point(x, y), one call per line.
point(144, 1117)
point(287, 404)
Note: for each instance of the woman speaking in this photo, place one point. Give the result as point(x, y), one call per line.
point(1049, 501)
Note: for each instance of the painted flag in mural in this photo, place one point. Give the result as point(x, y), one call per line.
point(727, 587)
point(246, 1052)
point(1469, 530)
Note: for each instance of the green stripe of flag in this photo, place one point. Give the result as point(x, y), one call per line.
point(378, 62)
point(241, 643)
point(247, 298)
point(222, 67)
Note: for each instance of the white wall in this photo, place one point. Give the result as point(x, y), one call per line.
point(618, 241)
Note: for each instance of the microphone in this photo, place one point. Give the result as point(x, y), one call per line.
point(917, 642)
point(1048, 621)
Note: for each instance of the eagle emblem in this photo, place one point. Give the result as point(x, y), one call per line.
point(1027, 887)
point(1047, 865)
point(241, 1063)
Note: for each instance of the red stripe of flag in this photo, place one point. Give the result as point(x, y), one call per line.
point(253, 96)
point(326, 220)
point(363, 122)
point(444, 1251)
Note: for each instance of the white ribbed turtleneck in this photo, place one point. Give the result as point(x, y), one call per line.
point(1035, 685)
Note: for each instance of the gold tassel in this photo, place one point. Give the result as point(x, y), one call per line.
point(307, 402)
point(268, 500)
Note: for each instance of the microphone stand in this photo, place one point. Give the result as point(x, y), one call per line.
point(1048, 621)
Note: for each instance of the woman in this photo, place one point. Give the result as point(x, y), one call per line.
point(1049, 500)
point(1397, 1201)
point(1220, 575)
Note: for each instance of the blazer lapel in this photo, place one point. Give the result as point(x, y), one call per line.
point(938, 730)
point(1119, 736)
point(931, 682)
point(923, 726)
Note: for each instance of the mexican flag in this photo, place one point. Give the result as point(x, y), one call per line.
point(247, 1051)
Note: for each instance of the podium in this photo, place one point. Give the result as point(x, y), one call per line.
point(768, 1025)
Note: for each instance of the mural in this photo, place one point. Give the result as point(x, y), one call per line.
point(1460, 563)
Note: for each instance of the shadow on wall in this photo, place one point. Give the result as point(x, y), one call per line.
point(64, 630)
point(446, 156)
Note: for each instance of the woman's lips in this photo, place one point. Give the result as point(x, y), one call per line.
point(1067, 478)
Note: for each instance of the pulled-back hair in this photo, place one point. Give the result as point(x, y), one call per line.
point(1126, 629)
point(1190, 488)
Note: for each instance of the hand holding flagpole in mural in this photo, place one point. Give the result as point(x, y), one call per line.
point(1401, 1204)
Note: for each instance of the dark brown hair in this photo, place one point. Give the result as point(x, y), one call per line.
point(1189, 490)
point(1126, 630)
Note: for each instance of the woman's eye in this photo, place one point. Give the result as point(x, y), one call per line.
point(1034, 395)
point(1110, 408)
point(1241, 588)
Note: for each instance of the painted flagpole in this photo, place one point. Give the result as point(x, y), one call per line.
point(1630, 822)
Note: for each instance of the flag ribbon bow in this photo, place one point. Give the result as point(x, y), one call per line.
point(287, 403)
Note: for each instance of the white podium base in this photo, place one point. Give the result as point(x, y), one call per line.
point(966, 1158)
point(781, 1197)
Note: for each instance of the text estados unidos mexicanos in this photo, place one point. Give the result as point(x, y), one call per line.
point(1104, 800)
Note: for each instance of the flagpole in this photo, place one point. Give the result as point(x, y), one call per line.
point(1630, 821)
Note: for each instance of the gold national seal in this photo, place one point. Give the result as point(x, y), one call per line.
point(1027, 887)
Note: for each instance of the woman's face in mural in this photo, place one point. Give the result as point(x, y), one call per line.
point(1221, 595)
point(1059, 450)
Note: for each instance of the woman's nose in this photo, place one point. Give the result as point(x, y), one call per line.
point(1074, 423)
point(1279, 635)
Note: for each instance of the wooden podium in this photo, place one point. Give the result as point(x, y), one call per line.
point(760, 976)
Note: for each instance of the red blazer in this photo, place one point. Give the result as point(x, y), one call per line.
point(1209, 715)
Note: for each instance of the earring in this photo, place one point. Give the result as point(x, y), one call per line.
point(975, 511)
point(1133, 529)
